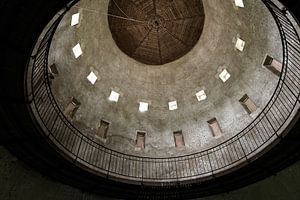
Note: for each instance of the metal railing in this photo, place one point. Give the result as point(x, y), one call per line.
point(240, 149)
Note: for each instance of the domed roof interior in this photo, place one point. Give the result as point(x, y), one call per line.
point(157, 32)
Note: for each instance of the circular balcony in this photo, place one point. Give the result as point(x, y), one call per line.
point(264, 132)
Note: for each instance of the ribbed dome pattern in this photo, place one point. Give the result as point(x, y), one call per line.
point(156, 32)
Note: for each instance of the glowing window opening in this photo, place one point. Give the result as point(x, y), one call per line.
point(240, 44)
point(77, 50)
point(239, 3)
point(201, 96)
point(75, 19)
point(224, 75)
point(114, 96)
point(143, 107)
point(92, 78)
point(173, 105)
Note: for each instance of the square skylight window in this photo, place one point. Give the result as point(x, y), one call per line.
point(143, 107)
point(224, 75)
point(201, 95)
point(77, 50)
point(239, 3)
point(75, 19)
point(92, 78)
point(240, 44)
point(114, 96)
point(173, 105)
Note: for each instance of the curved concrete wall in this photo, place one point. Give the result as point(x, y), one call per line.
point(178, 80)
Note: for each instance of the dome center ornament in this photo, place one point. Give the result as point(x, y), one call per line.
point(156, 22)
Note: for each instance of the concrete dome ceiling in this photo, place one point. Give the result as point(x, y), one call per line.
point(159, 31)
point(179, 80)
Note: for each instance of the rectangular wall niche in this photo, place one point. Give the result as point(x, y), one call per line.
point(178, 138)
point(103, 129)
point(71, 108)
point(140, 140)
point(273, 65)
point(215, 127)
point(53, 69)
point(248, 104)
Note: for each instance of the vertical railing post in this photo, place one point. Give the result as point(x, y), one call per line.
point(142, 170)
point(245, 155)
point(109, 161)
point(211, 168)
point(81, 138)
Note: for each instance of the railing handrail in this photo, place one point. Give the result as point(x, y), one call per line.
point(45, 46)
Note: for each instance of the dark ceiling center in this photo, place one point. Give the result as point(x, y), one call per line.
point(156, 22)
point(156, 32)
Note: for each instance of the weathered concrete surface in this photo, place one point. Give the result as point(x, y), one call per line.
point(178, 80)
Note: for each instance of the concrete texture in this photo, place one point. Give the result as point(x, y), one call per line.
point(20, 182)
point(179, 80)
